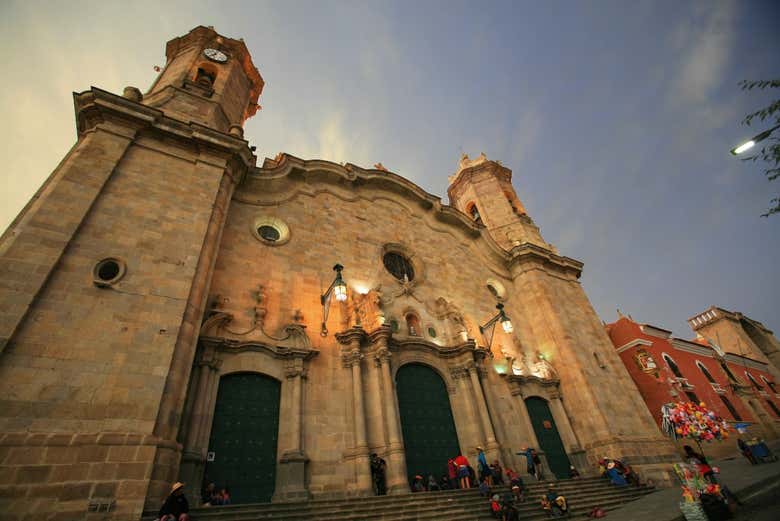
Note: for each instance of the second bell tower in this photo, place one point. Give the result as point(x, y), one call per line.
point(482, 189)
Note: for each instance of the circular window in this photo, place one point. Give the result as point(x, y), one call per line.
point(108, 271)
point(431, 332)
point(270, 231)
point(399, 266)
point(496, 289)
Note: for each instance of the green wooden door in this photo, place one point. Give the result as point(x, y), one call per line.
point(547, 434)
point(429, 432)
point(243, 437)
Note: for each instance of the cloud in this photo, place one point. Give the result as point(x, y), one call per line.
point(705, 47)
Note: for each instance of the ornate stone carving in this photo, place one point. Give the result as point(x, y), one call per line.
point(295, 367)
point(368, 309)
point(350, 358)
point(544, 369)
point(459, 372)
point(460, 329)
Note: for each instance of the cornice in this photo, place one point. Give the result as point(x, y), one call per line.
point(657, 332)
point(746, 362)
point(418, 344)
point(534, 254)
point(633, 343)
point(270, 185)
point(234, 346)
point(692, 347)
point(96, 106)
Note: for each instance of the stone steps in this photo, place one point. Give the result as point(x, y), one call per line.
point(567, 486)
point(451, 505)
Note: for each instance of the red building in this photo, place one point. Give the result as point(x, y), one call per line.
point(666, 369)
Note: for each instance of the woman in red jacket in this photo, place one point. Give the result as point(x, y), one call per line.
point(463, 471)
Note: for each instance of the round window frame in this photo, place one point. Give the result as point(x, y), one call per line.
point(273, 222)
point(500, 290)
point(104, 283)
point(417, 265)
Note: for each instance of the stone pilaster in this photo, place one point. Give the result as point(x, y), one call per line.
point(351, 357)
point(525, 426)
point(394, 452)
point(491, 445)
point(473, 436)
point(573, 449)
point(193, 460)
point(291, 472)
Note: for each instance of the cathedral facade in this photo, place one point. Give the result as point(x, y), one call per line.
point(173, 311)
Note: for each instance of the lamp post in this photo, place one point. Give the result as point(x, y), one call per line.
point(490, 326)
point(750, 143)
point(337, 289)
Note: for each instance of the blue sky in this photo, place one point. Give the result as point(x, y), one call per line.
point(616, 117)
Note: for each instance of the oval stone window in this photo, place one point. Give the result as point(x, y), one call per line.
point(269, 233)
point(399, 266)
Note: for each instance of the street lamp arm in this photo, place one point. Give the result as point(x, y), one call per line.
point(747, 145)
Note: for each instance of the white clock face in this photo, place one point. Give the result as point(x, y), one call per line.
point(217, 56)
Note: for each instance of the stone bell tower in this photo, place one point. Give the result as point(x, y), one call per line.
point(555, 321)
point(207, 79)
point(482, 189)
point(104, 278)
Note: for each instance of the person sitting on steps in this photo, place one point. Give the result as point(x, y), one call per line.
point(175, 507)
point(554, 504)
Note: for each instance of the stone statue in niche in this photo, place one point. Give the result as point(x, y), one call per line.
point(368, 309)
point(457, 325)
point(544, 369)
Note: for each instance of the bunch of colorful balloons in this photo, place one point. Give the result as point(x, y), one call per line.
point(691, 420)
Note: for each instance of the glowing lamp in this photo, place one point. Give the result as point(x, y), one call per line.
point(490, 326)
point(747, 145)
point(337, 289)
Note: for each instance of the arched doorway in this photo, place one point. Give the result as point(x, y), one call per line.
point(429, 432)
point(244, 437)
point(547, 435)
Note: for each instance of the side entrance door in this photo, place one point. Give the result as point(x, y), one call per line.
point(429, 432)
point(547, 434)
point(244, 437)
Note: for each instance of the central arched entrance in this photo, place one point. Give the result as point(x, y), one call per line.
point(548, 437)
point(429, 432)
point(244, 437)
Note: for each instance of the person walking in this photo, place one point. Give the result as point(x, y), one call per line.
point(485, 473)
point(537, 465)
point(529, 458)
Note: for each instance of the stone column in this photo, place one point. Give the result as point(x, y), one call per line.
point(196, 442)
point(526, 426)
point(395, 455)
point(351, 358)
point(491, 449)
point(291, 472)
point(209, 403)
point(474, 431)
point(575, 452)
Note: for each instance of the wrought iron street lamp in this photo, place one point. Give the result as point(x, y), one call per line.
point(750, 143)
point(490, 326)
point(337, 289)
